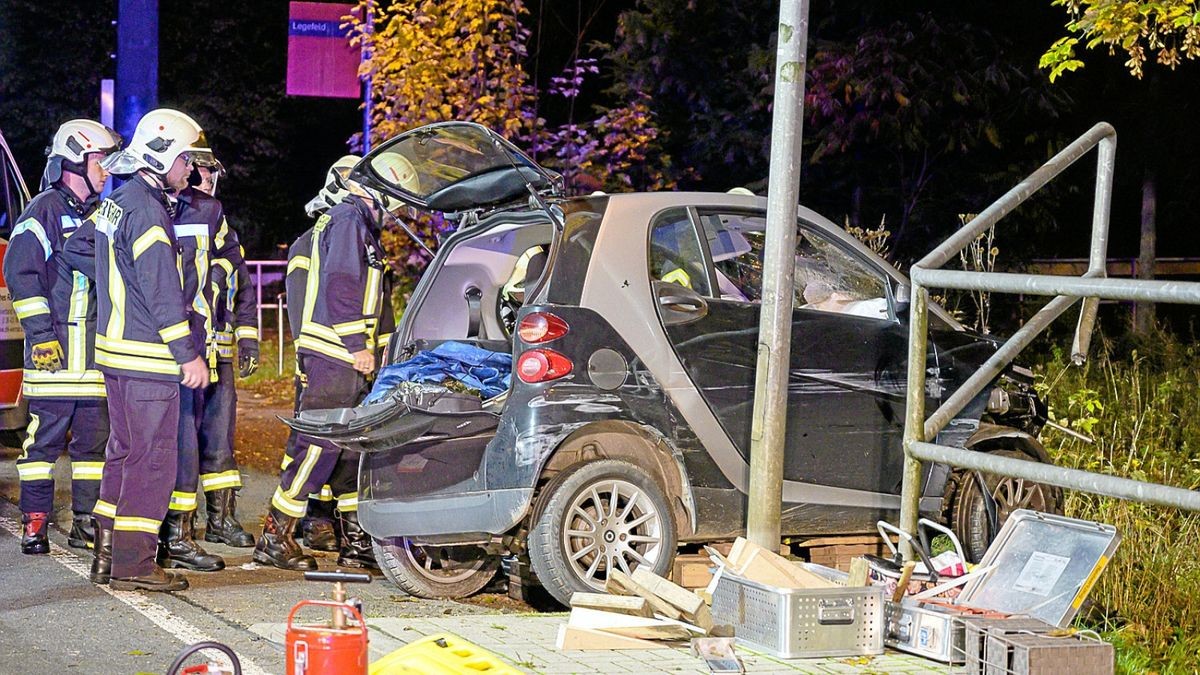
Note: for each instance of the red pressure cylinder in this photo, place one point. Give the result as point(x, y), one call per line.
point(321, 649)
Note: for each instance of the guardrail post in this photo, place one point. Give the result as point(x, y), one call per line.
point(914, 419)
point(1106, 159)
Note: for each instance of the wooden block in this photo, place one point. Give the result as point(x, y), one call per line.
point(839, 541)
point(683, 599)
point(622, 604)
point(572, 637)
point(768, 568)
point(619, 583)
point(693, 607)
point(629, 626)
point(692, 570)
point(858, 572)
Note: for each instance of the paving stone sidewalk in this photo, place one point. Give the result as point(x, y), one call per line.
point(527, 642)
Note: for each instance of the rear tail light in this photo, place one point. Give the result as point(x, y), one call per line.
point(542, 365)
point(537, 327)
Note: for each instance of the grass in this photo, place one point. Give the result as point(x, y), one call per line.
point(1141, 403)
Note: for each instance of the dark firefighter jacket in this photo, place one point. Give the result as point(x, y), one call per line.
point(53, 302)
point(235, 305)
point(343, 284)
point(205, 239)
point(143, 324)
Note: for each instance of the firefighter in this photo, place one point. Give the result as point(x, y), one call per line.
point(144, 346)
point(318, 525)
point(57, 311)
point(203, 235)
point(336, 351)
point(234, 317)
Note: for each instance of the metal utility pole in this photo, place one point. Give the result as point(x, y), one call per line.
point(769, 424)
point(137, 63)
point(368, 104)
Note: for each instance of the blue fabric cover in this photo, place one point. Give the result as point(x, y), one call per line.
point(489, 372)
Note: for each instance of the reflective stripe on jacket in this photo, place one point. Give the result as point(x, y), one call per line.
point(144, 316)
point(52, 301)
point(343, 291)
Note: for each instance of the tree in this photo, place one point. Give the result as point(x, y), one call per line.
point(909, 113)
point(912, 118)
point(434, 61)
point(441, 60)
point(1167, 30)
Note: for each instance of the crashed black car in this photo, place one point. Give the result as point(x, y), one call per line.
point(632, 323)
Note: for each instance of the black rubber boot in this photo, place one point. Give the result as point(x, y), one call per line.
point(34, 539)
point(82, 535)
point(277, 548)
point(317, 527)
point(320, 535)
point(102, 555)
point(177, 545)
point(158, 580)
point(223, 526)
point(356, 550)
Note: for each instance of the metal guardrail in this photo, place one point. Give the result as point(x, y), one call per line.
point(1090, 287)
point(280, 305)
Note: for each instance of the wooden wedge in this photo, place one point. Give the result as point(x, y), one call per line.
point(573, 637)
point(629, 626)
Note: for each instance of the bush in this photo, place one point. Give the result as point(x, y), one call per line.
point(1139, 401)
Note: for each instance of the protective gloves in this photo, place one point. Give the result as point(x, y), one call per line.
point(247, 357)
point(48, 356)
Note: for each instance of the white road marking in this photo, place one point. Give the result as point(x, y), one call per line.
point(178, 627)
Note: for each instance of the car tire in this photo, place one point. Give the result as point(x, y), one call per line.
point(966, 512)
point(456, 571)
point(602, 513)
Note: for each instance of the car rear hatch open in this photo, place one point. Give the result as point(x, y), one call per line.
point(413, 414)
point(453, 167)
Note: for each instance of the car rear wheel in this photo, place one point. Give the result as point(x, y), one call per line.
point(601, 516)
point(435, 571)
point(967, 514)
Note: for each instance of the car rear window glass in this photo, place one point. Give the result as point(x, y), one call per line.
point(675, 253)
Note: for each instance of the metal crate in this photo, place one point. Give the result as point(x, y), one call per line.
point(1030, 647)
point(792, 623)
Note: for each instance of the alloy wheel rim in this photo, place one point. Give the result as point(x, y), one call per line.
point(610, 525)
point(436, 563)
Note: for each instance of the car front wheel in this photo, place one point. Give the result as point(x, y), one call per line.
point(435, 571)
point(602, 516)
point(967, 514)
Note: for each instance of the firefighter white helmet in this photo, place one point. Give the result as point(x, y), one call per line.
point(335, 187)
point(394, 169)
point(161, 136)
point(73, 142)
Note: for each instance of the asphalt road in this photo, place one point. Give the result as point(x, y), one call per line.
point(53, 620)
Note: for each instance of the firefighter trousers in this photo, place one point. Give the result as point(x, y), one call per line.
point(139, 468)
point(187, 468)
point(310, 462)
point(46, 437)
point(218, 467)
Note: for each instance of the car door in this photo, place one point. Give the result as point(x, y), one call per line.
point(846, 387)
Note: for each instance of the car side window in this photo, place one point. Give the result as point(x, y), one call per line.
point(826, 278)
point(829, 280)
point(675, 253)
